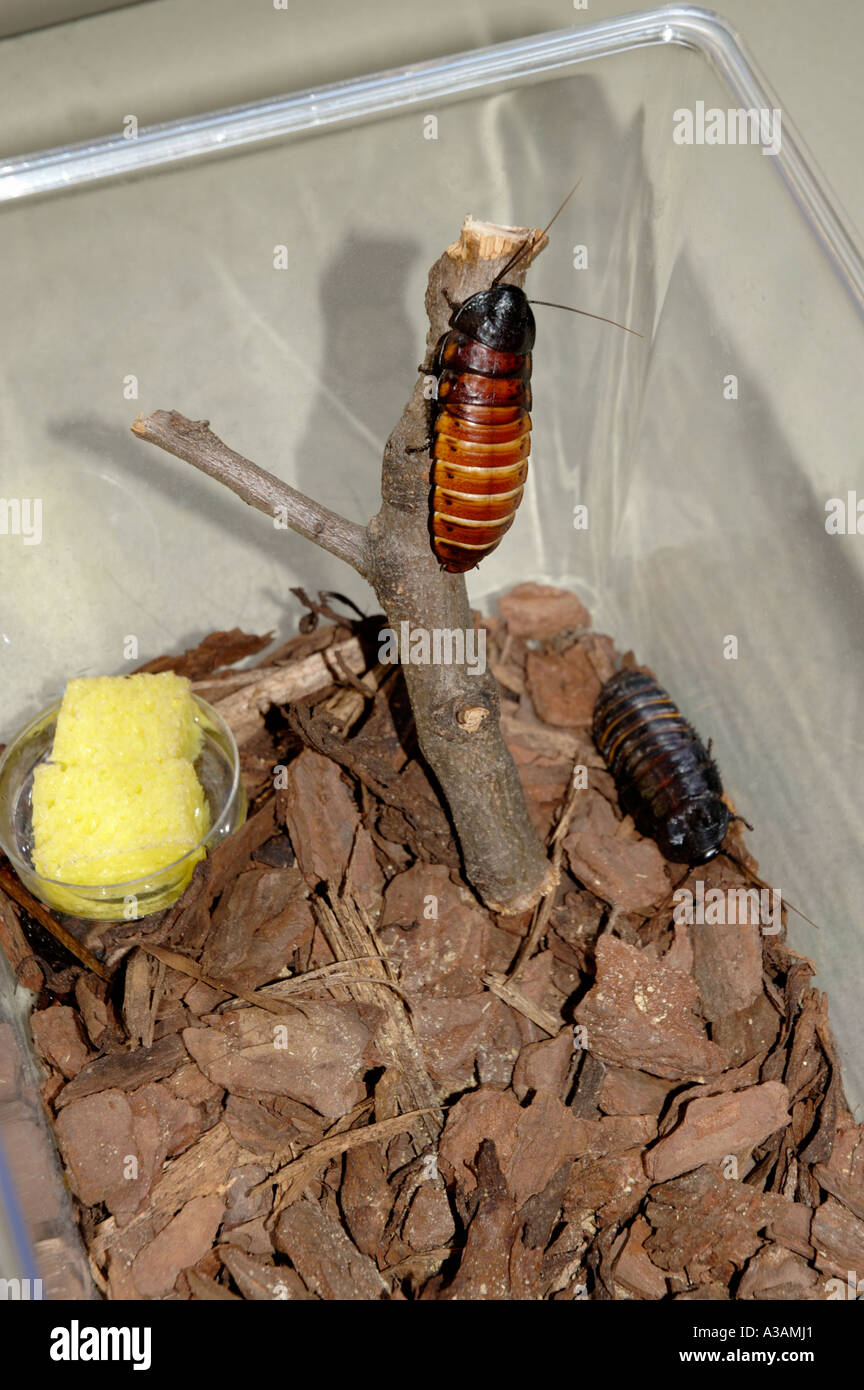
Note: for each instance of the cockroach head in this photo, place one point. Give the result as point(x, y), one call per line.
point(695, 833)
point(499, 317)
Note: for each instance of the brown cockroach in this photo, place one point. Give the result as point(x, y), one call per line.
point(481, 428)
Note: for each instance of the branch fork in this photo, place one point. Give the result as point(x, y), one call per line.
point(456, 711)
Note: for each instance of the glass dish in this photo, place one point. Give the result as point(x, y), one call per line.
point(218, 770)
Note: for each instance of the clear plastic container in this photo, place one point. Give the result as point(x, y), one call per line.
point(153, 282)
point(41, 1255)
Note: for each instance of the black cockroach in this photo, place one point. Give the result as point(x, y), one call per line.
point(666, 778)
point(481, 429)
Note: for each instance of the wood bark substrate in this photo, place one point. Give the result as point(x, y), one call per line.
point(456, 711)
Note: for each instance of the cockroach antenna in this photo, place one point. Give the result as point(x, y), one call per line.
point(570, 310)
point(548, 304)
point(532, 240)
point(754, 878)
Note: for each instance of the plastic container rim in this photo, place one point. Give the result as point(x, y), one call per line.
point(71, 166)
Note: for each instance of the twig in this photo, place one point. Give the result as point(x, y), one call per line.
point(344, 707)
point(26, 966)
point(193, 441)
point(350, 935)
point(337, 973)
point(544, 907)
point(17, 891)
point(294, 1176)
point(243, 708)
point(512, 995)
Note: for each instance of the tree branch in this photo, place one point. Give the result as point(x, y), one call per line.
point(193, 441)
point(503, 858)
point(456, 709)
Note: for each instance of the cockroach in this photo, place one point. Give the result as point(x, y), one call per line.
point(481, 427)
point(666, 777)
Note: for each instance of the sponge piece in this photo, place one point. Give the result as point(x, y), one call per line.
point(120, 799)
point(108, 823)
point(128, 718)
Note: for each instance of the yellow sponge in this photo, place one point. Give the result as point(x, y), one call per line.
point(120, 799)
point(104, 718)
point(109, 823)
